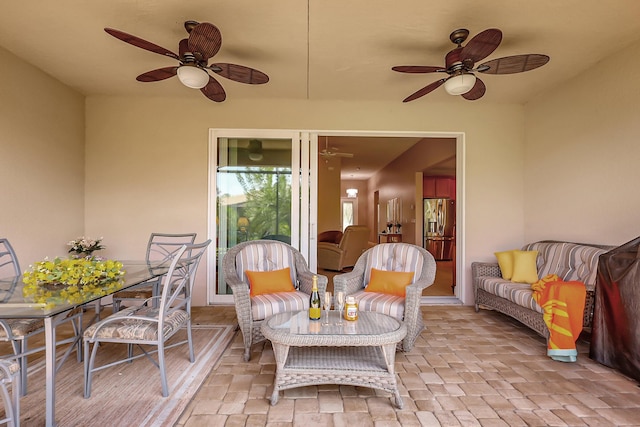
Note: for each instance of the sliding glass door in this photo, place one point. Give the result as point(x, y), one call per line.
point(260, 188)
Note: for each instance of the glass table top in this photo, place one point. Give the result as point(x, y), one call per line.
point(368, 323)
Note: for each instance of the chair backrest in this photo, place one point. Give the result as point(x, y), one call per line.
point(9, 265)
point(9, 270)
point(164, 246)
point(570, 261)
point(263, 255)
point(178, 283)
point(331, 236)
point(354, 242)
point(396, 257)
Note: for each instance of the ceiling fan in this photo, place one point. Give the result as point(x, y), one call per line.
point(459, 63)
point(194, 52)
point(327, 154)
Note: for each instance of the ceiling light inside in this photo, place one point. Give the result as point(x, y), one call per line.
point(192, 76)
point(255, 150)
point(460, 84)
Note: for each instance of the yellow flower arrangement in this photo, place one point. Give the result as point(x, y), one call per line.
point(71, 280)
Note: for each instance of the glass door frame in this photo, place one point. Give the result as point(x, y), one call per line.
point(304, 168)
point(308, 144)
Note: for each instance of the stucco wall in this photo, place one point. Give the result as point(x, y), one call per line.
point(562, 167)
point(41, 161)
point(147, 160)
point(582, 156)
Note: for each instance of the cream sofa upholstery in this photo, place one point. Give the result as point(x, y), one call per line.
point(335, 257)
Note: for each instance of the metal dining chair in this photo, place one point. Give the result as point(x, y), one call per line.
point(15, 331)
point(18, 331)
point(161, 247)
point(145, 325)
point(10, 376)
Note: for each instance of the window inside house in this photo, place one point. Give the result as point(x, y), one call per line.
point(349, 209)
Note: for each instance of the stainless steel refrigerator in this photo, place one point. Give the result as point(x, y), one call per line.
point(440, 227)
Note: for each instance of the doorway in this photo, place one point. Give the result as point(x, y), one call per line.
point(424, 153)
point(305, 201)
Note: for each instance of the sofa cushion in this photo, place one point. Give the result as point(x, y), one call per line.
point(391, 305)
point(268, 282)
point(394, 257)
point(389, 282)
point(519, 293)
point(505, 261)
point(570, 261)
point(525, 269)
point(263, 306)
point(267, 257)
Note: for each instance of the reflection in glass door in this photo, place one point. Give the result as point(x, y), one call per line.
point(257, 194)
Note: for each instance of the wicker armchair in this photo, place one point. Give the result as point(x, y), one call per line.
point(266, 255)
point(392, 257)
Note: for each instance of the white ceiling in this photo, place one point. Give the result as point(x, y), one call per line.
point(315, 49)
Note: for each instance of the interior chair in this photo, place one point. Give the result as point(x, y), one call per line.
point(161, 247)
point(150, 324)
point(384, 294)
point(331, 236)
point(10, 376)
point(272, 289)
point(336, 257)
point(18, 331)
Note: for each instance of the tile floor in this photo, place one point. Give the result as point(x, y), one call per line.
point(467, 369)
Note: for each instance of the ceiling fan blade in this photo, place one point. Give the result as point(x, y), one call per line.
point(476, 92)
point(214, 90)
point(347, 155)
point(482, 45)
point(183, 47)
point(240, 73)
point(417, 69)
point(514, 64)
point(425, 90)
point(138, 42)
point(156, 75)
point(205, 39)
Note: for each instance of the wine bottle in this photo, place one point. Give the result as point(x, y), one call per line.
point(314, 301)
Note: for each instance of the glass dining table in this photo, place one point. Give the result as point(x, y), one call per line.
point(14, 306)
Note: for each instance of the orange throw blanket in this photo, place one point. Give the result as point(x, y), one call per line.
point(563, 305)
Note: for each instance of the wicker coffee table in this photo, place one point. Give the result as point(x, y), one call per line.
point(359, 353)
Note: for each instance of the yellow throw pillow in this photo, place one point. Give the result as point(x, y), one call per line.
point(525, 269)
point(389, 282)
point(505, 261)
point(268, 282)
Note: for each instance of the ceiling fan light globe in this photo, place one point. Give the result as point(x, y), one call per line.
point(460, 84)
point(192, 76)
